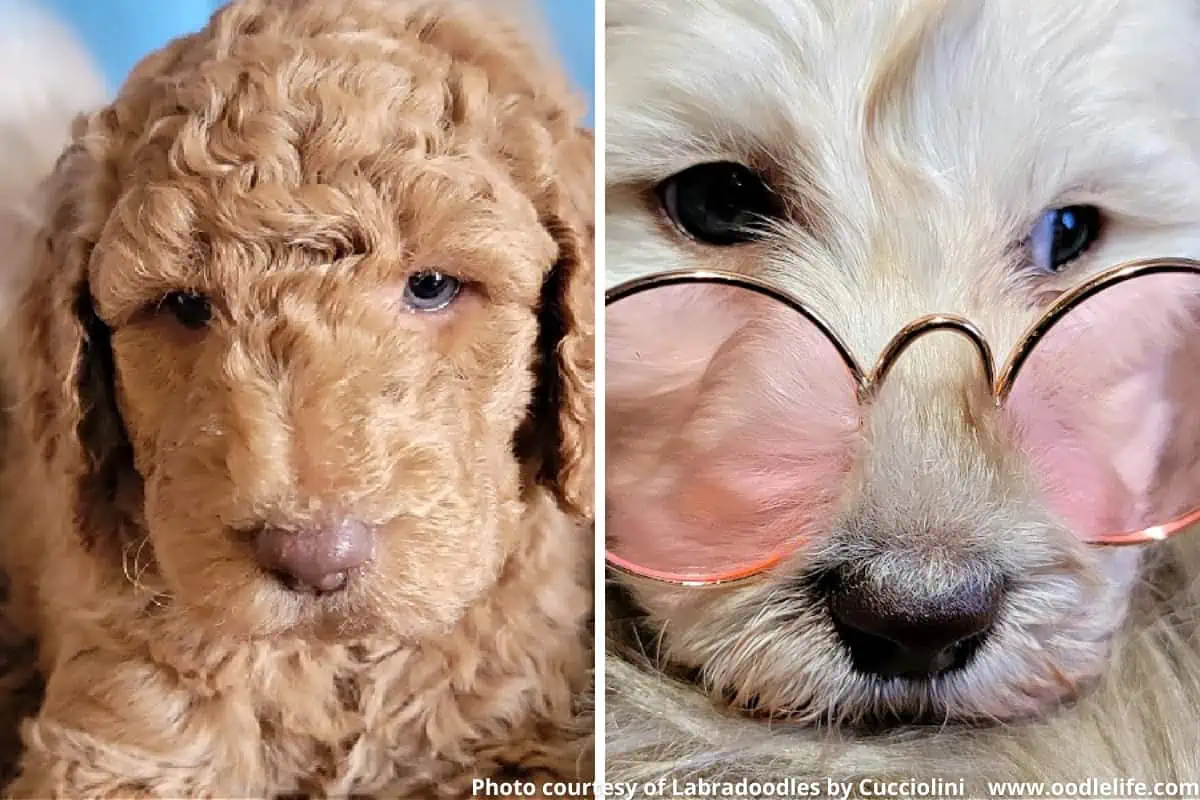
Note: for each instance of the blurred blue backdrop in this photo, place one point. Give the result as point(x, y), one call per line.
point(120, 32)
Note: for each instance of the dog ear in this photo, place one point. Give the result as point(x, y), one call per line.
point(565, 399)
point(65, 370)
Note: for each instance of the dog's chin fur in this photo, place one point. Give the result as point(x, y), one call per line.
point(261, 160)
point(913, 145)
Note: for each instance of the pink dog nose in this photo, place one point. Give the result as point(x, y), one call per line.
point(315, 559)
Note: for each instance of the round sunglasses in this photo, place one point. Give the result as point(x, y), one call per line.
point(672, 332)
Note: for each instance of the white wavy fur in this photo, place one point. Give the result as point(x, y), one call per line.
point(915, 139)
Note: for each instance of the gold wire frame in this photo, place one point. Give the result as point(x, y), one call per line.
point(867, 381)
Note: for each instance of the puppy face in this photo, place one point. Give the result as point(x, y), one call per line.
point(887, 161)
point(314, 251)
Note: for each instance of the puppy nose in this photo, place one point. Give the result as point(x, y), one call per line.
point(912, 634)
point(315, 559)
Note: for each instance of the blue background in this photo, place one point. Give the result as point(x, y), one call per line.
point(120, 32)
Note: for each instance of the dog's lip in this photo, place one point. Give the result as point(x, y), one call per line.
point(931, 719)
point(881, 723)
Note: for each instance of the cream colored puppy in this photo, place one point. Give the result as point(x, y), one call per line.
point(881, 161)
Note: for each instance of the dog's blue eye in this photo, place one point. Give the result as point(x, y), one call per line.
point(1062, 235)
point(430, 291)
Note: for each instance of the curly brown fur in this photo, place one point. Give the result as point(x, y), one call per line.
point(295, 162)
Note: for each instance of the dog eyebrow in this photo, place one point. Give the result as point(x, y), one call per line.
point(508, 267)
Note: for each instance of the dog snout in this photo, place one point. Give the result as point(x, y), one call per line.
point(317, 559)
point(911, 632)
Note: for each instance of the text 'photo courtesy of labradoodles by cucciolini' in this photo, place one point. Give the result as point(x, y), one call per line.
point(296, 360)
point(902, 398)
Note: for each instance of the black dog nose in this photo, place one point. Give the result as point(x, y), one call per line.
point(315, 559)
point(909, 633)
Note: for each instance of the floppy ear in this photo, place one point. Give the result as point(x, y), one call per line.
point(64, 365)
point(565, 399)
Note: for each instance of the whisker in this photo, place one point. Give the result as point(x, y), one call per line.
point(134, 570)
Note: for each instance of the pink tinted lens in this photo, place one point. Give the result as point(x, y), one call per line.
point(1105, 408)
point(731, 423)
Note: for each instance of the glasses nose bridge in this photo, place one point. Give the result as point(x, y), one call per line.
point(919, 327)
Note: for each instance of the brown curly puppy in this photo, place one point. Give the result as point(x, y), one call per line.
point(299, 467)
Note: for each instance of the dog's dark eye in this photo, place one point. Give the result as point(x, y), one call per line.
point(721, 203)
point(1062, 235)
point(192, 310)
point(430, 291)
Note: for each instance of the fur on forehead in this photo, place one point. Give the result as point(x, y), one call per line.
point(258, 143)
point(853, 66)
